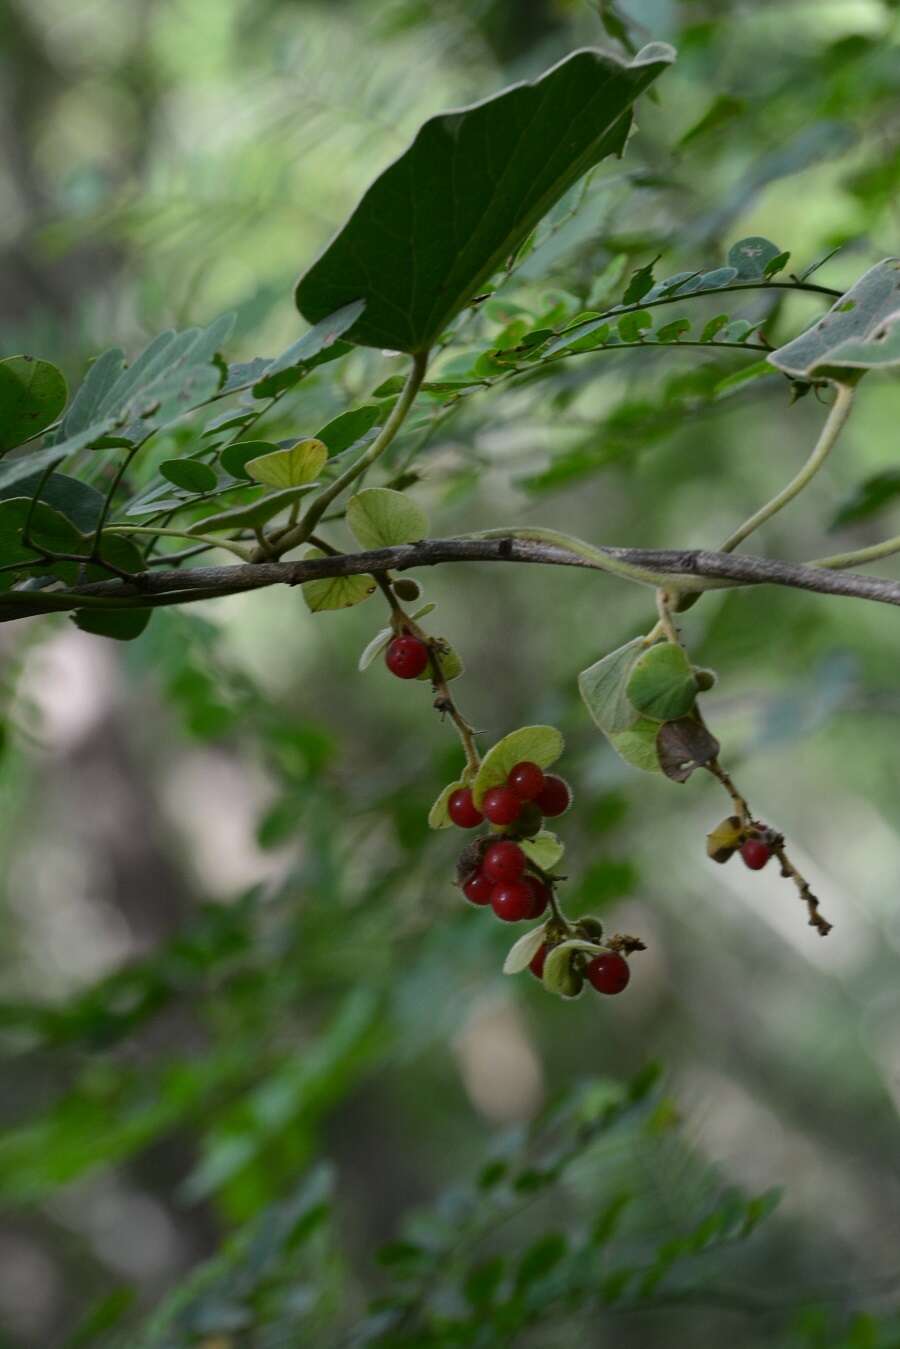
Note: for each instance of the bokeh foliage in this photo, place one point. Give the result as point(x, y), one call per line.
point(253, 1037)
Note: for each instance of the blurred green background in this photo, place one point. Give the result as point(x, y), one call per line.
point(230, 812)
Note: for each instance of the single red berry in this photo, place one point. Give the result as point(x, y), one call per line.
point(512, 901)
point(540, 895)
point(478, 888)
point(536, 965)
point(526, 780)
point(501, 805)
point(406, 657)
point(463, 810)
point(555, 796)
point(756, 853)
point(503, 861)
point(608, 973)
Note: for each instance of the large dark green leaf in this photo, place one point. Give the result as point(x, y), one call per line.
point(77, 501)
point(122, 625)
point(439, 221)
point(32, 394)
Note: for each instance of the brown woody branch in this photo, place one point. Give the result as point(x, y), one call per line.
point(163, 587)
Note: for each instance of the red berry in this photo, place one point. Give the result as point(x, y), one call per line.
point(540, 895)
point(501, 805)
point(756, 853)
point(526, 780)
point(512, 901)
point(608, 973)
point(503, 861)
point(463, 810)
point(555, 796)
point(478, 888)
point(406, 657)
point(536, 964)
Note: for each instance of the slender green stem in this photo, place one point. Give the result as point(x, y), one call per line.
point(301, 532)
point(675, 297)
point(108, 500)
point(207, 539)
point(26, 535)
point(598, 557)
point(838, 561)
point(840, 410)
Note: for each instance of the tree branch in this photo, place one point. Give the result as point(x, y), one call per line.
point(694, 570)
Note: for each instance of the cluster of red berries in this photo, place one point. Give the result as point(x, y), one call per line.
point(607, 973)
point(527, 793)
point(496, 871)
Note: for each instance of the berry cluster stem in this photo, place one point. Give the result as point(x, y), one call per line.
point(788, 870)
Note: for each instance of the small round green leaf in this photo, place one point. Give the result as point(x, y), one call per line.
point(189, 474)
point(335, 592)
point(535, 744)
point(662, 683)
point(380, 518)
point(450, 662)
point(752, 256)
point(289, 468)
point(32, 394)
point(559, 976)
point(544, 850)
point(235, 458)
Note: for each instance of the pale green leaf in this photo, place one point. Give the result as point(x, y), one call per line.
point(603, 687)
point(380, 518)
point(532, 744)
point(860, 332)
point(637, 745)
point(289, 468)
point(450, 662)
point(438, 817)
point(544, 850)
point(559, 977)
point(335, 592)
point(523, 951)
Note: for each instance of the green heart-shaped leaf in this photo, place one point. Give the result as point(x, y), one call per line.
point(380, 518)
point(457, 204)
point(544, 850)
point(289, 468)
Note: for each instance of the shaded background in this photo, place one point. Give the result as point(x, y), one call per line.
point(230, 804)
